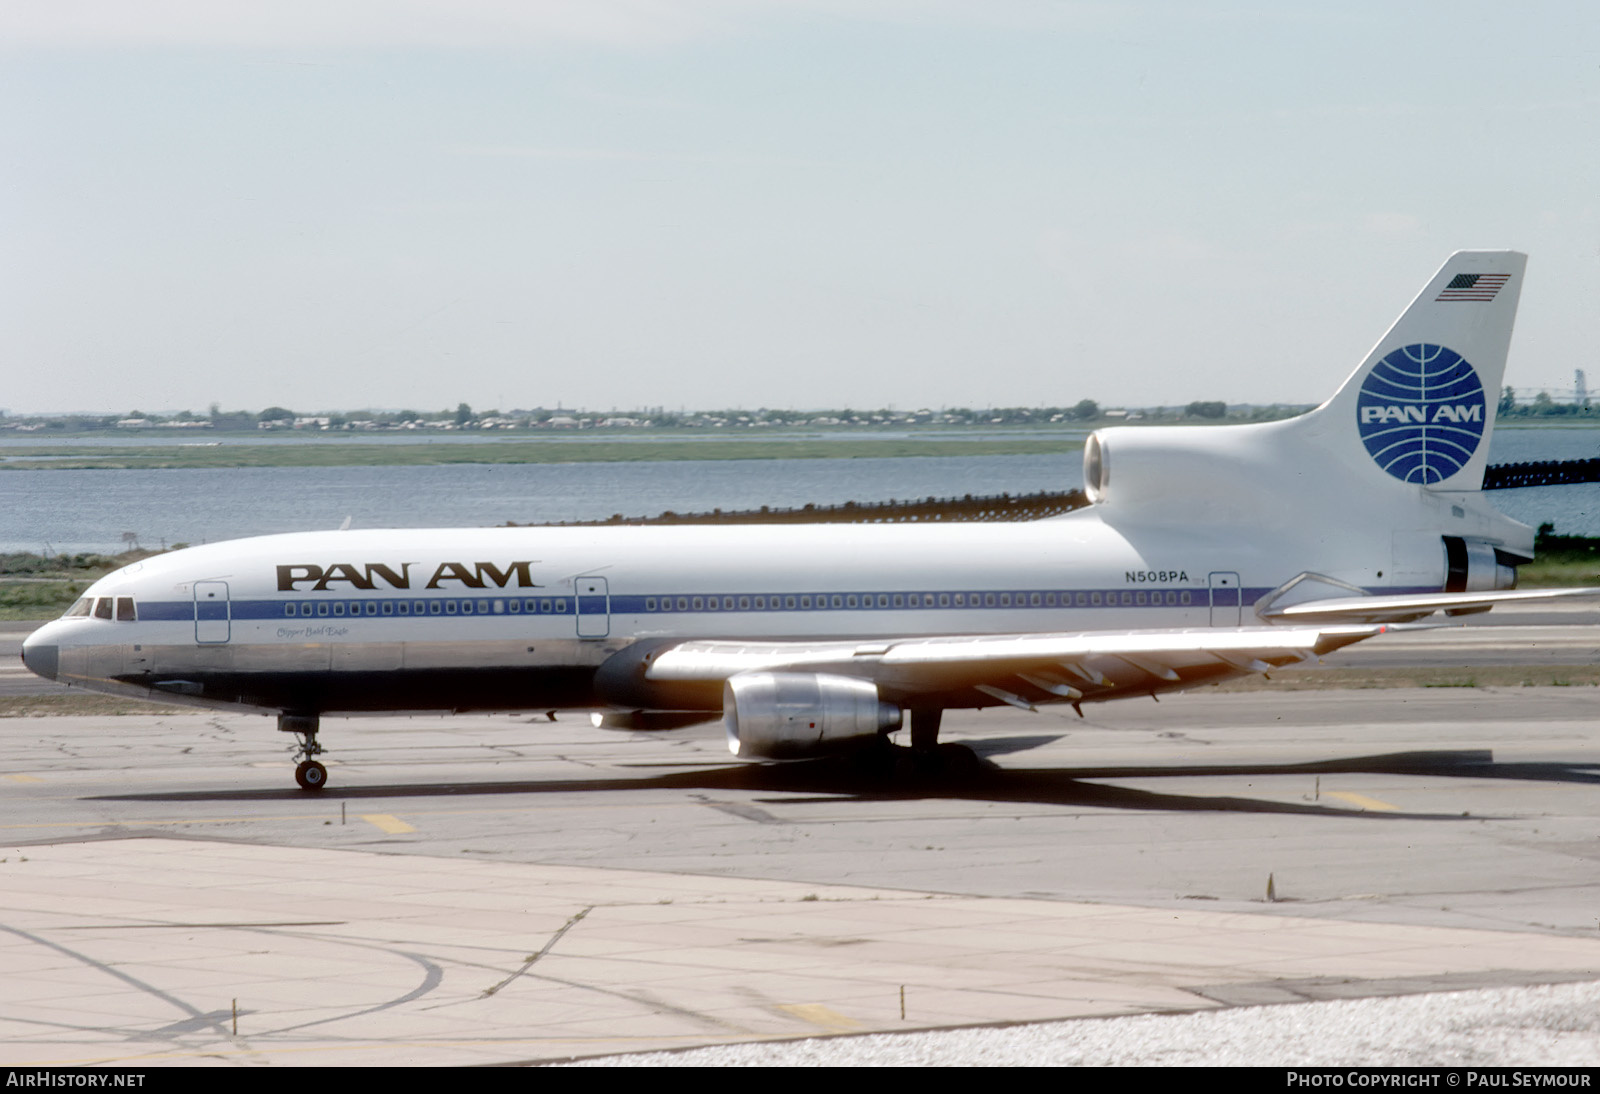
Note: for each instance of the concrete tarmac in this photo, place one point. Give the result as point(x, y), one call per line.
point(508, 889)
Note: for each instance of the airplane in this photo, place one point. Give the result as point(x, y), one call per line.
point(1208, 552)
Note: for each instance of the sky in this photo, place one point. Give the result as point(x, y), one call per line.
point(338, 204)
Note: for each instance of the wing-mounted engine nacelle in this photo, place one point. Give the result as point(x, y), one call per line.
point(793, 715)
point(1473, 566)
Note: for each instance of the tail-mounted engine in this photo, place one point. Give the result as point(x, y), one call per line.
point(793, 715)
point(1472, 566)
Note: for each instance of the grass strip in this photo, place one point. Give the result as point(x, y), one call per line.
point(62, 705)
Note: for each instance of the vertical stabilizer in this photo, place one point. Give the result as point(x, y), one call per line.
point(1421, 407)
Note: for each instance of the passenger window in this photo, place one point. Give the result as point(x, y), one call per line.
point(288, 609)
point(305, 609)
point(338, 607)
point(372, 607)
point(102, 608)
point(322, 608)
point(515, 606)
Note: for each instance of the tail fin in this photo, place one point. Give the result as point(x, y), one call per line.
point(1421, 407)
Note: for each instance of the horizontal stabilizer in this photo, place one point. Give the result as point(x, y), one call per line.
point(1400, 607)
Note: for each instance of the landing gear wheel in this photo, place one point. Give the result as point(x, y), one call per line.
point(311, 775)
point(877, 760)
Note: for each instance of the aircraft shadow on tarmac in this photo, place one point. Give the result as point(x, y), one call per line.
point(965, 772)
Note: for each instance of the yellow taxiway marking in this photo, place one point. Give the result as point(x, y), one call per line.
point(386, 823)
point(1361, 800)
point(25, 778)
point(821, 1016)
point(99, 822)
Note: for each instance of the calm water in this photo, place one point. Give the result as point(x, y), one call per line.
point(89, 510)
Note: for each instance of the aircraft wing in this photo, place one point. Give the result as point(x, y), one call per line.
point(1401, 607)
point(1018, 669)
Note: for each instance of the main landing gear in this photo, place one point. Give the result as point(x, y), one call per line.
point(310, 774)
point(925, 730)
point(928, 757)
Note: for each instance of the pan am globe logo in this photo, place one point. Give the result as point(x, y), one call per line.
point(1421, 413)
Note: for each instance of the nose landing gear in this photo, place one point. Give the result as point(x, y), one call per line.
point(310, 774)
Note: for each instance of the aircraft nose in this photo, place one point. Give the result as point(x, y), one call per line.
point(42, 658)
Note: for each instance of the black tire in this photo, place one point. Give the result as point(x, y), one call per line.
point(877, 760)
point(311, 775)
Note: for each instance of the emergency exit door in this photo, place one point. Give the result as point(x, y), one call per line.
point(213, 618)
point(594, 608)
point(1227, 599)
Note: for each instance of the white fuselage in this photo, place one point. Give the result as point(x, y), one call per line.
point(518, 618)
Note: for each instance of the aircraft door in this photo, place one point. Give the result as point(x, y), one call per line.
point(213, 622)
point(594, 607)
point(1227, 599)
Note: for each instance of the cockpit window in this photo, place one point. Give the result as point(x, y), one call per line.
point(102, 608)
point(82, 607)
point(125, 610)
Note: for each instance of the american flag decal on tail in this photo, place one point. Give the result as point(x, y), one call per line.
point(1473, 287)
